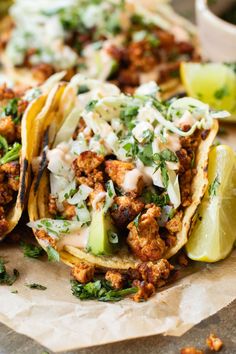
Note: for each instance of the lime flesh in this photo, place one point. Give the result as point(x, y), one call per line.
point(214, 232)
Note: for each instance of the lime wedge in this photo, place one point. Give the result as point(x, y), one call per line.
point(214, 233)
point(212, 83)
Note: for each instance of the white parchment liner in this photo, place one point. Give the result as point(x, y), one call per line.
point(59, 321)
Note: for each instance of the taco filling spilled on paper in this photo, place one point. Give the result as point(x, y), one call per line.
point(129, 42)
point(124, 177)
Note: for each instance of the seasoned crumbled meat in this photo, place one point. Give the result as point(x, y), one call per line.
point(83, 272)
point(3, 226)
point(116, 170)
point(115, 278)
point(125, 209)
point(13, 183)
point(52, 205)
point(214, 343)
point(183, 260)
point(21, 106)
point(184, 159)
point(18, 132)
point(12, 171)
point(128, 78)
point(7, 129)
point(6, 93)
point(145, 290)
point(2, 212)
point(2, 175)
point(5, 194)
point(93, 178)
point(175, 224)
point(115, 52)
point(191, 350)
point(155, 273)
point(42, 235)
point(69, 210)
point(170, 240)
point(94, 199)
point(140, 56)
point(42, 72)
point(144, 239)
point(186, 156)
point(11, 168)
point(88, 161)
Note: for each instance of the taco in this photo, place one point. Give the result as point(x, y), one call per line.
point(15, 114)
point(128, 42)
point(22, 116)
point(120, 181)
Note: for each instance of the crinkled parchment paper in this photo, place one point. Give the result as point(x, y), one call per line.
point(59, 321)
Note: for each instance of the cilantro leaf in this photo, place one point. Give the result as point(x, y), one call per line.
point(127, 116)
point(221, 92)
point(91, 105)
point(12, 108)
point(152, 197)
point(31, 251)
point(5, 278)
point(99, 290)
point(212, 190)
point(160, 160)
point(3, 144)
point(82, 89)
point(36, 286)
point(136, 221)
point(12, 154)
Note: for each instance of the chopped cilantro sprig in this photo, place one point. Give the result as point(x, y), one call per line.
point(31, 251)
point(213, 187)
point(5, 278)
point(12, 154)
point(3, 144)
point(160, 160)
point(99, 290)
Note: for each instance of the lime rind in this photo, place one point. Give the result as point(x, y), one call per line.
point(214, 233)
point(212, 83)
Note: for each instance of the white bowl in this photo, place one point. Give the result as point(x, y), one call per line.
point(217, 37)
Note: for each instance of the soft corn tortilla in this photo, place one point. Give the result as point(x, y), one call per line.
point(15, 212)
point(38, 208)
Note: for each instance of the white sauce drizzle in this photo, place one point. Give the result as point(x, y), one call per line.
point(131, 180)
point(186, 119)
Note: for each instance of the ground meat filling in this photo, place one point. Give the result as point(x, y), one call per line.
point(186, 156)
point(136, 219)
point(11, 109)
point(159, 54)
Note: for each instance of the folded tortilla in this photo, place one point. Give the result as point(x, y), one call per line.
point(153, 179)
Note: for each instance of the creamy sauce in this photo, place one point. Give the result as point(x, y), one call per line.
point(100, 196)
point(146, 172)
point(186, 119)
point(78, 239)
point(173, 142)
point(131, 180)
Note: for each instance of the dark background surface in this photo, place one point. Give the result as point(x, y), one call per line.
point(223, 323)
